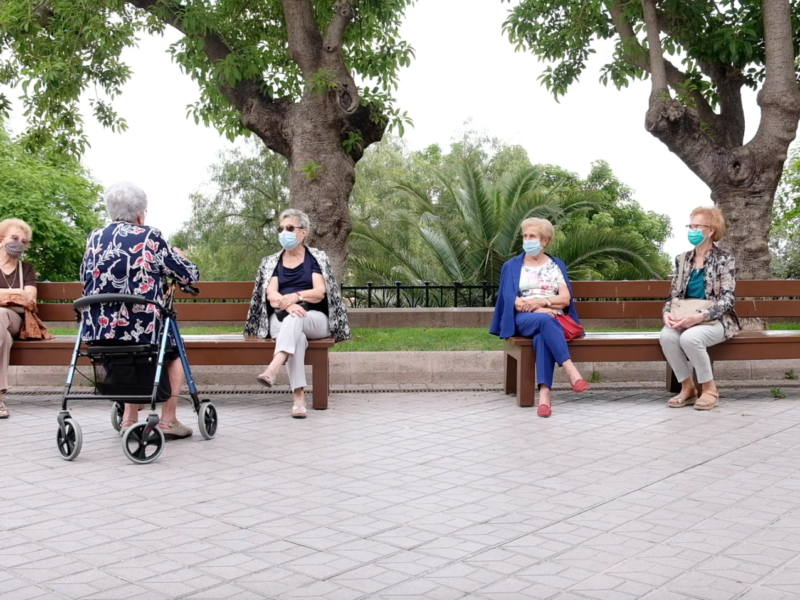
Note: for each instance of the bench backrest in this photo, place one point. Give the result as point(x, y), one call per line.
point(645, 299)
point(229, 300)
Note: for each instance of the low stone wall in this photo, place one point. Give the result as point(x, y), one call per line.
point(471, 368)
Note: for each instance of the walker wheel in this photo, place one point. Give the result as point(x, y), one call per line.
point(207, 420)
point(70, 439)
point(117, 411)
point(143, 444)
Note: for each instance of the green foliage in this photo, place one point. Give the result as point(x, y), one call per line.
point(430, 216)
point(322, 82)
point(784, 239)
point(791, 374)
point(353, 142)
point(58, 201)
point(53, 58)
point(563, 34)
point(595, 377)
point(312, 169)
point(230, 231)
point(777, 393)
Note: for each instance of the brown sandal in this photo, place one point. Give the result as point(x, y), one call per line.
point(707, 401)
point(679, 401)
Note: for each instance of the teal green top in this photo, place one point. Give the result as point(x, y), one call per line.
point(697, 285)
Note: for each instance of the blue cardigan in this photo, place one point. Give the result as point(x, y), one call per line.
point(503, 320)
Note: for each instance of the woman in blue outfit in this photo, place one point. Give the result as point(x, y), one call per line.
point(534, 289)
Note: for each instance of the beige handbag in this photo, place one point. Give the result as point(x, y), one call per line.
point(687, 307)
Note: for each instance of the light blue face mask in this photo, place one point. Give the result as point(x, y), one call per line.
point(531, 247)
point(288, 239)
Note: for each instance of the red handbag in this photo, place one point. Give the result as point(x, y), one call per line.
point(571, 329)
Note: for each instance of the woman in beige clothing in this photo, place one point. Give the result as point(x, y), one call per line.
point(18, 277)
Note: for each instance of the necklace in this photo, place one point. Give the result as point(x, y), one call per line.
point(10, 286)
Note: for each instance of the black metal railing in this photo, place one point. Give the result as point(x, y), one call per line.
point(426, 295)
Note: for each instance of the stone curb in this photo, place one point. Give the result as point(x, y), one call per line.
point(436, 368)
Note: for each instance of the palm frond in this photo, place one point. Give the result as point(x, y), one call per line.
point(588, 247)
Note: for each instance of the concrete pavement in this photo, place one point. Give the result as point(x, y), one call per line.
point(412, 494)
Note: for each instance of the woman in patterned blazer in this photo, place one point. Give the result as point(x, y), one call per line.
point(295, 299)
point(705, 273)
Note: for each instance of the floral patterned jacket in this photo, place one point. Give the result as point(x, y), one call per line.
point(124, 258)
point(720, 276)
point(258, 316)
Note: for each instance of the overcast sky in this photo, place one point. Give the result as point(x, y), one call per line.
point(464, 70)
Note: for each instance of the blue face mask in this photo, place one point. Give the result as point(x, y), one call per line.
point(288, 239)
point(696, 237)
point(531, 247)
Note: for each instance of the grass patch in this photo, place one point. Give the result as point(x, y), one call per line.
point(420, 340)
point(783, 326)
point(383, 340)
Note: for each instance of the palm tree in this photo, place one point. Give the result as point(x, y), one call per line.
point(469, 231)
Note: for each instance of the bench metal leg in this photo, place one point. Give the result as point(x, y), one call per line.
point(510, 375)
point(319, 379)
point(673, 385)
point(526, 377)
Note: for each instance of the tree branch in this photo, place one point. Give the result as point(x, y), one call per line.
point(343, 13)
point(305, 41)
point(637, 57)
point(259, 113)
point(779, 97)
point(657, 69)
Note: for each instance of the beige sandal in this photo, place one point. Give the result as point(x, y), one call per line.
point(679, 401)
point(3, 410)
point(299, 412)
point(707, 401)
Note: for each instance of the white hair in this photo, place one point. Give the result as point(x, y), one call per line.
point(125, 201)
point(293, 213)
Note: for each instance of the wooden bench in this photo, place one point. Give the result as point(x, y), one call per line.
point(218, 302)
point(645, 300)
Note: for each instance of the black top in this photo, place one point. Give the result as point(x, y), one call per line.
point(300, 279)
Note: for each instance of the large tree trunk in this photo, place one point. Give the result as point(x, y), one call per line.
point(321, 174)
point(742, 177)
point(748, 213)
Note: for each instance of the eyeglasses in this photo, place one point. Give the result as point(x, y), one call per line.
point(289, 228)
point(696, 227)
point(16, 238)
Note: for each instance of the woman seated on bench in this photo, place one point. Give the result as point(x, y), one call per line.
point(534, 288)
point(699, 311)
point(302, 303)
point(129, 257)
point(18, 277)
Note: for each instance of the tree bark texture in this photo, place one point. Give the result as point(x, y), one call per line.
point(743, 177)
point(309, 132)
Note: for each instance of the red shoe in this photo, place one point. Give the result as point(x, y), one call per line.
point(544, 410)
point(580, 386)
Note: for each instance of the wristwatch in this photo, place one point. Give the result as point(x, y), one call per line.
point(548, 301)
point(299, 297)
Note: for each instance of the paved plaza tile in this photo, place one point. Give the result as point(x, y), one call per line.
point(434, 495)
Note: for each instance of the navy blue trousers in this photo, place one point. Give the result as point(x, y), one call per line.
point(548, 343)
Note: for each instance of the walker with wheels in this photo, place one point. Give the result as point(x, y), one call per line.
point(123, 374)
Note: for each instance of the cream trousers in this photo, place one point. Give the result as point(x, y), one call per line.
point(10, 322)
point(291, 336)
point(686, 348)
